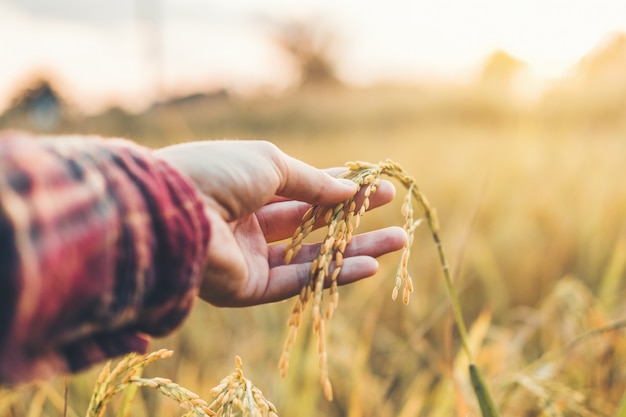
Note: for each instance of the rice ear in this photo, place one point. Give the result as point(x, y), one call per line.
point(341, 221)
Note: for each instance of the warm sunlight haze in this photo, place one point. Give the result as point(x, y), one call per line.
point(120, 51)
point(502, 125)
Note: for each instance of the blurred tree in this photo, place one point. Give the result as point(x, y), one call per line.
point(606, 63)
point(500, 71)
point(40, 104)
point(594, 95)
point(310, 47)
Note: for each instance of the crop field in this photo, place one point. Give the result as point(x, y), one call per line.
point(532, 210)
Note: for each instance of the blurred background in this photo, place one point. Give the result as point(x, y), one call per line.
point(511, 115)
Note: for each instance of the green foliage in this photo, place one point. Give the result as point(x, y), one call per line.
point(487, 406)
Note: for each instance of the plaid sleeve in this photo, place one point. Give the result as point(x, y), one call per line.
point(101, 244)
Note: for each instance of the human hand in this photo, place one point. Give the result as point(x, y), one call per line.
point(255, 195)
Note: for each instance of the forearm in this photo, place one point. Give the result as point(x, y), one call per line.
point(100, 243)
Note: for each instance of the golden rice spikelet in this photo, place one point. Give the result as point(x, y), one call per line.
point(237, 396)
point(341, 221)
point(127, 372)
point(306, 226)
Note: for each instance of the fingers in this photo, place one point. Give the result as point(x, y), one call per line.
point(224, 287)
point(359, 262)
point(287, 280)
point(279, 220)
point(372, 244)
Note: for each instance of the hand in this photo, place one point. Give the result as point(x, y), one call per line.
point(256, 195)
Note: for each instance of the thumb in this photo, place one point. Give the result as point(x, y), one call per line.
point(300, 181)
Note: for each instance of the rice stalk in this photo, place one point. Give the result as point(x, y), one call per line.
point(341, 221)
point(125, 374)
point(236, 396)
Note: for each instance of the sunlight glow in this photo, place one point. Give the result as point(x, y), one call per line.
point(398, 40)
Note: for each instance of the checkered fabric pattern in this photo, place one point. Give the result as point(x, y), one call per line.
point(101, 245)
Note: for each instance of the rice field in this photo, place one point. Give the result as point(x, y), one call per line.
point(531, 207)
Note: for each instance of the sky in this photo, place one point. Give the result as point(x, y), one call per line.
point(105, 52)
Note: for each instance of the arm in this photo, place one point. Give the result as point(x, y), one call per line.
point(100, 243)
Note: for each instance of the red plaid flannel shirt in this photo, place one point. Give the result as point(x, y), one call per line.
point(101, 244)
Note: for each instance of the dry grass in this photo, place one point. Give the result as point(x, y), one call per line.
point(532, 214)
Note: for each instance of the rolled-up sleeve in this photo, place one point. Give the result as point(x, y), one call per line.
point(101, 245)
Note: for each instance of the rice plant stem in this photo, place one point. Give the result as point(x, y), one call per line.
point(341, 221)
point(433, 223)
